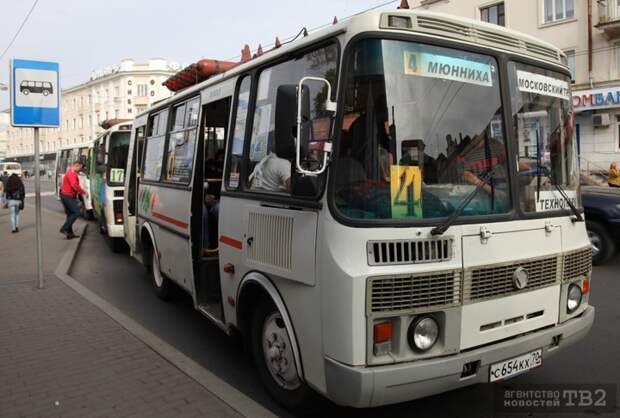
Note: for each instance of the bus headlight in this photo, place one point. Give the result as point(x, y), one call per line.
point(423, 333)
point(573, 300)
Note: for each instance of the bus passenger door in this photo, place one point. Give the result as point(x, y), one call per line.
point(134, 159)
point(215, 126)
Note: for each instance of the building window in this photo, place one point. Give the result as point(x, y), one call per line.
point(493, 14)
point(142, 90)
point(128, 101)
point(116, 113)
point(570, 61)
point(128, 92)
point(555, 10)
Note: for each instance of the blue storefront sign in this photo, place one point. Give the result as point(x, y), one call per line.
point(596, 99)
point(35, 93)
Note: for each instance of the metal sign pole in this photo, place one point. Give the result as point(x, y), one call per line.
point(37, 205)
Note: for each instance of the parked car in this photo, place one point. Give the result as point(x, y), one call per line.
point(602, 208)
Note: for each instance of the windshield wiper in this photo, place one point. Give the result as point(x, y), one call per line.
point(441, 228)
point(562, 192)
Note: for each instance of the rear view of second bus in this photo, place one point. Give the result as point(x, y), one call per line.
point(107, 175)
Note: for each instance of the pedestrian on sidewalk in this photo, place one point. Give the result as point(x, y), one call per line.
point(5, 179)
point(69, 197)
point(15, 194)
point(614, 175)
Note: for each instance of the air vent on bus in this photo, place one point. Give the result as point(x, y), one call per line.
point(414, 292)
point(498, 38)
point(409, 251)
point(443, 26)
point(542, 50)
point(577, 263)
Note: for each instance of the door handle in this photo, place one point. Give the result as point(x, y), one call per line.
point(249, 241)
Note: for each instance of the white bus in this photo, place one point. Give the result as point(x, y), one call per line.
point(378, 230)
point(11, 168)
point(67, 155)
point(107, 177)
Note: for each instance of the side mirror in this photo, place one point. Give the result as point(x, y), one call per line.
point(305, 127)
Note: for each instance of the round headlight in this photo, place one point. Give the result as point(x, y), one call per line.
point(574, 298)
point(423, 333)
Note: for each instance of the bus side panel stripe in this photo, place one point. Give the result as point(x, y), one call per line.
point(170, 220)
point(231, 241)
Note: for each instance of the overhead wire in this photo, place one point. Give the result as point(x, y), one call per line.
point(21, 26)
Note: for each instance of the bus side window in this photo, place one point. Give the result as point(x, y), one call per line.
point(238, 134)
point(154, 147)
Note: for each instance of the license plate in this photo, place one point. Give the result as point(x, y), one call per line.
point(516, 365)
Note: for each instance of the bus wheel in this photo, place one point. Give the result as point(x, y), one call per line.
point(161, 284)
point(26, 92)
point(46, 93)
point(273, 355)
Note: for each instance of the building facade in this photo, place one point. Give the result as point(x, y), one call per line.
point(122, 91)
point(588, 31)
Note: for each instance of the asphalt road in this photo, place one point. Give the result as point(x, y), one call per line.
point(123, 282)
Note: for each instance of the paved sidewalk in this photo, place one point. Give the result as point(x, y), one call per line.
point(60, 356)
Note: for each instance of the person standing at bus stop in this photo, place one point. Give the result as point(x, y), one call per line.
point(15, 195)
point(69, 193)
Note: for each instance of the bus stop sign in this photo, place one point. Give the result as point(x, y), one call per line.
point(35, 94)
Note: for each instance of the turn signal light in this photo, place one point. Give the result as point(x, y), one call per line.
point(383, 332)
point(585, 286)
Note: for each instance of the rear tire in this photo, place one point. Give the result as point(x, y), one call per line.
point(603, 246)
point(273, 356)
point(161, 284)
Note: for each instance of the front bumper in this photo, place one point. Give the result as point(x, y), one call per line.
point(374, 386)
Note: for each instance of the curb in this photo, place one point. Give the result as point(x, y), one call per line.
point(218, 387)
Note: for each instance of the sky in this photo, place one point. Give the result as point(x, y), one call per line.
point(85, 35)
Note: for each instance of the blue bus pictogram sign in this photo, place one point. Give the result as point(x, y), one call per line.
point(35, 93)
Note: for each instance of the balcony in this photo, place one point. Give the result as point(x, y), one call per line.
point(609, 19)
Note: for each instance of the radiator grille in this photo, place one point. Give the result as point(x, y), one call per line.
point(409, 251)
point(272, 238)
point(495, 281)
point(414, 292)
point(577, 263)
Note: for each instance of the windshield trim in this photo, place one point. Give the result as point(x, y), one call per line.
point(502, 58)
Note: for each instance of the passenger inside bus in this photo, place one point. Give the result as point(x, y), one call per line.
point(273, 172)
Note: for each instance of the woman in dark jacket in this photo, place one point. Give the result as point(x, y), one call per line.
point(15, 194)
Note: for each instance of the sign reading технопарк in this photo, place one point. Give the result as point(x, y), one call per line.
point(35, 93)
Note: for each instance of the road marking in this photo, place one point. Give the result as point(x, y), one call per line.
point(218, 387)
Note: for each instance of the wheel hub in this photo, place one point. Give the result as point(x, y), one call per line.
point(278, 353)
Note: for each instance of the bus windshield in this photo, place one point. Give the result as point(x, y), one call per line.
point(117, 157)
point(422, 129)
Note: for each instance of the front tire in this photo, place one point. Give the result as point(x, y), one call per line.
point(161, 284)
point(273, 355)
point(603, 246)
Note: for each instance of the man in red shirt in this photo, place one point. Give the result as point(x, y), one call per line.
point(69, 197)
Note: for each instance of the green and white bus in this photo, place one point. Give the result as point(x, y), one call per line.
point(107, 177)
